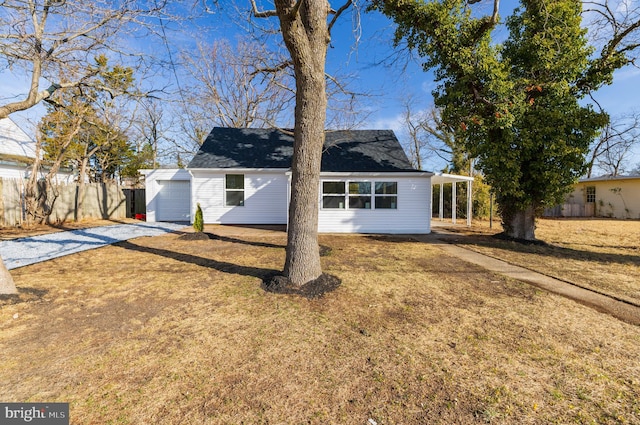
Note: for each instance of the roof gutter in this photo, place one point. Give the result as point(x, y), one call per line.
point(409, 173)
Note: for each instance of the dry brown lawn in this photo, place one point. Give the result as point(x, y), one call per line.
point(166, 331)
point(602, 255)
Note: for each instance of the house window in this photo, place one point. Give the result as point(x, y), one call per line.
point(360, 195)
point(354, 195)
point(591, 194)
point(333, 195)
point(386, 195)
point(234, 190)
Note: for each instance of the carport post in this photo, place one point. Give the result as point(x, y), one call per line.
point(454, 202)
point(469, 202)
point(441, 205)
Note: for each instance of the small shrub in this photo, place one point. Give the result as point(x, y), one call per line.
point(198, 222)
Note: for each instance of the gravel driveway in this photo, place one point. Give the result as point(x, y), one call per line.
point(24, 251)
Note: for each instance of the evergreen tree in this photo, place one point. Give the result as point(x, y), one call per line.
point(198, 221)
point(516, 106)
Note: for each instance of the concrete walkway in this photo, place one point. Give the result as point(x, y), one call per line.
point(622, 310)
point(25, 251)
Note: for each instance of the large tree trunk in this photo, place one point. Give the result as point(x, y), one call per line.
point(6, 281)
point(302, 262)
point(520, 223)
point(305, 33)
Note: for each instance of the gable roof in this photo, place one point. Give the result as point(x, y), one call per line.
point(14, 142)
point(344, 150)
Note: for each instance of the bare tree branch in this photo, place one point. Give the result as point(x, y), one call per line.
point(336, 14)
point(262, 14)
point(54, 41)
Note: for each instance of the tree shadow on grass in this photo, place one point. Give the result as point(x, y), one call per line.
point(24, 295)
point(242, 241)
point(222, 266)
point(208, 235)
point(543, 248)
point(272, 281)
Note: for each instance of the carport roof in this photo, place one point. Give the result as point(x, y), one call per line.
point(443, 178)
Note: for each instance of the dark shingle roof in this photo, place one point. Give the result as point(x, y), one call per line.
point(344, 150)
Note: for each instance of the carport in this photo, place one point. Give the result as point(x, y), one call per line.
point(441, 179)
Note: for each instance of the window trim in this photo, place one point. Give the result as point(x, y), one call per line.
point(347, 195)
point(394, 205)
point(333, 195)
point(227, 190)
point(590, 195)
point(358, 194)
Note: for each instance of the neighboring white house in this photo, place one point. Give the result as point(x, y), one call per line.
point(17, 150)
point(242, 176)
point(17, 153)
point(606, 196)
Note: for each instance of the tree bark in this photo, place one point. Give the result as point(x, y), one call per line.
point(7, 286)
point(306, 35)
point(520, 224)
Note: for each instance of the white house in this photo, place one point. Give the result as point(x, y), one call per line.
point(242, 176)
point(17, 150)
point(17, 153)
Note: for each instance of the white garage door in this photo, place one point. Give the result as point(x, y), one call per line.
point(174, 200)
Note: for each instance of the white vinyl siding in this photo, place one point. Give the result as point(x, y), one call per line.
point(265, 198)
point(266, 195)
point(412, 214)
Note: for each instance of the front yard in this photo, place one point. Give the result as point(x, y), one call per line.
point(167, 331)
point(599, 254)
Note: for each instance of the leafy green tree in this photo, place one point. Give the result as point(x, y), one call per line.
point(138, 159)
point(516, 106)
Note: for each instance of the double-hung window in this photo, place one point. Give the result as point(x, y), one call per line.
point(333, 195)
point(386, 195)
point(234, 190)
point(359, 195)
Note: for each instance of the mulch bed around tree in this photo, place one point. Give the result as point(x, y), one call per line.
point(313, 289)
point(195, 236)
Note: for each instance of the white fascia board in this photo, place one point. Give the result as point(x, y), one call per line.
point(239, 170)
point(373, 175)
point(166, 173)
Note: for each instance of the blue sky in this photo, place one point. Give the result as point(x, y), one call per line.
point(386, 85)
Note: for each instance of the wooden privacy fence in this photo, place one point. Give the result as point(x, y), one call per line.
point(101, 200)
point(571, 210)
